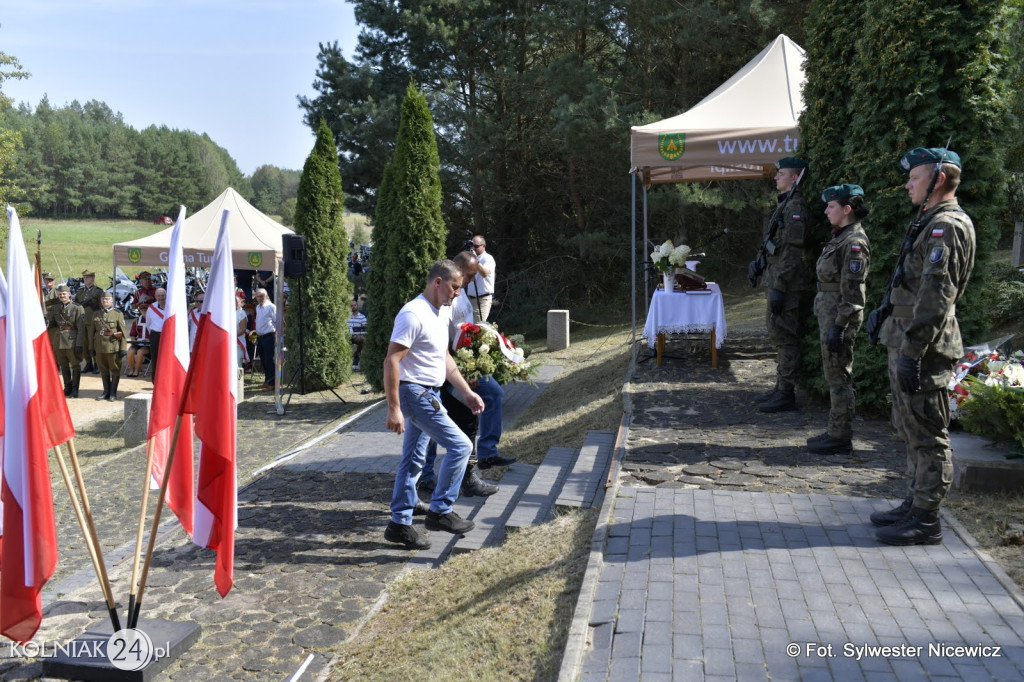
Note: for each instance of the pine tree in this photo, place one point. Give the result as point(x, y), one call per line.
point(319, 302)
point(408, 233)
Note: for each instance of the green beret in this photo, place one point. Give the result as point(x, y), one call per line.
point(922, 155)
point(843, 191)
point(790, 162)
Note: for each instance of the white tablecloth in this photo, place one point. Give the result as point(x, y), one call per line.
point(677, 312)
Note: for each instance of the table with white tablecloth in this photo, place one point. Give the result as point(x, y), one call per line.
point(682, 312)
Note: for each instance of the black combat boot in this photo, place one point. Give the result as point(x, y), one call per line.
point(76, 378)
point(66, 373)
point(784, 401)
point(106, 388)
point(919, 527)
point(894, 515)
point(830, 445)
point(114, 381)
point(768, 395)
point(473, 485)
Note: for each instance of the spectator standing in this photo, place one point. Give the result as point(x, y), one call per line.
point(266, 334)
point(481, 289)
point(146, 292)
point(155, 314)
point(357, 329)
point(65, 322)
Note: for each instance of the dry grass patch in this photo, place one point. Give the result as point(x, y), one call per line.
point(585, 396)
point(990, 518)
point(495, 614)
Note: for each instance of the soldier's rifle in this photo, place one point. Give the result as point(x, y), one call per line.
point(768, 247)
point(878, 316)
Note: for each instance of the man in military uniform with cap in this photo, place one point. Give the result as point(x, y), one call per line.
point(88, 296)
point(49, 292)
point(110, 343)
point(65, 323)
point(786, 278)
point(923, 339)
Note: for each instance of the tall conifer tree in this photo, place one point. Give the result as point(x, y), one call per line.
point(323, 311)
point(409, 232)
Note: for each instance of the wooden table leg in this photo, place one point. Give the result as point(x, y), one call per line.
point(714, 350)
point(661, 346)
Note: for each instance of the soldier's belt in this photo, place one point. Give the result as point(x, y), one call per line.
point(66, 327)
point(907, 311)
point(828, 286)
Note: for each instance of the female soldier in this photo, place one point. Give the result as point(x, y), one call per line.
point(842, 272)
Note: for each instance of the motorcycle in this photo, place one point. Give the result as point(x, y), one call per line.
point(124, 290)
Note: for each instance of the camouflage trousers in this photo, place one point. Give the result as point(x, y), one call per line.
point(838, 371)
point(784, 332)
point(922, 419)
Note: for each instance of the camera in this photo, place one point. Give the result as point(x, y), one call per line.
point(467, 244)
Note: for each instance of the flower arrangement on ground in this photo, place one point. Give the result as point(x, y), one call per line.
point(986, 392)
point(481, 350)
point(668, 257)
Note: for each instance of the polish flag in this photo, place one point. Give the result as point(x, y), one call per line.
point(169, 387)
point(36, 418)
point(211, 395)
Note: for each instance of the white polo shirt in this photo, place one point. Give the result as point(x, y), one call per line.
point(481, 286)
point(423, 329)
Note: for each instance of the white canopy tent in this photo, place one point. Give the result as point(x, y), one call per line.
point(255, 238)
point(737, 132)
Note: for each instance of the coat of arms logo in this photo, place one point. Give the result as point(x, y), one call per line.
point(255, 259)
point(134, 255)
point(671, 145)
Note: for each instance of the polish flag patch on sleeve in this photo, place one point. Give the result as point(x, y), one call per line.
point(855, 248)
point(937, 232)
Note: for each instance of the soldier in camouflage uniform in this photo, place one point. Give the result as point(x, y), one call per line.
point(110, 342)
point(923, 338)
point(88, 296)
point(842, 271)
point(785, 278)
point(65, 323)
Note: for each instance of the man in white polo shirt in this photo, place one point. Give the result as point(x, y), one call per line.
point(481, 289)
point(415, 368)
point(155, 314)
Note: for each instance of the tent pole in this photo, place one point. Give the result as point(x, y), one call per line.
point(632, 233)
point(647, 293)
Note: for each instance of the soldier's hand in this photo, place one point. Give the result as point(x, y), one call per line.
point(908, 374)
point(776, 301)
point(122, 353)
point(78, 350)
point(834, 340)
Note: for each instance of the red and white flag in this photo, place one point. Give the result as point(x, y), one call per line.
point(36, 418)
point(211, 395)
point(169, 387)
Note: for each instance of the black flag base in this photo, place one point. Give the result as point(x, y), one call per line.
point(132, 655)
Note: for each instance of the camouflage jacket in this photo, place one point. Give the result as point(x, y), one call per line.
point(66, 325)
point(935, 274)
point(786, 270)
point(842, 271)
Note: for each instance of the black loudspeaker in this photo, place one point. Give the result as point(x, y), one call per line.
point(294, 248)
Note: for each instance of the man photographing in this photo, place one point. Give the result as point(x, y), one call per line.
point(481, 289)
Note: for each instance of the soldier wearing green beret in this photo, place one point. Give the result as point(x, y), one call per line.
point(842, 271)
point(110, 342)
point(923, 339)
point(785, 277)
point(65, 323)
point(88, 296)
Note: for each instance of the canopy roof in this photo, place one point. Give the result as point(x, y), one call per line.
point(738, 131)
point(255, 238)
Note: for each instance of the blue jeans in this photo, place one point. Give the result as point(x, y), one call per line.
point(490, 419)
point(425, 419)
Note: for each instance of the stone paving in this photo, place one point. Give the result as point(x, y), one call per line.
point(310, 559)
point(728, 552)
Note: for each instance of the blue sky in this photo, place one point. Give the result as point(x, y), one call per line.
point(228, 68)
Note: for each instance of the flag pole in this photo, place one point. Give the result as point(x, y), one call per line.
point(89, 534)
point(142, 525)
point(133, 616)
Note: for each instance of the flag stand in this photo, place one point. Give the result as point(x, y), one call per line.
point(142, 527)
point(299, 370)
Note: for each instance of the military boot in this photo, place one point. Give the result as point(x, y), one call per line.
point(919, 527)
point(114, 381)
point(765, 397)
point(473, 485)
point(784, 401)
point(106, 388)
point(66, 373)
point(894, 515)
point(830, 446)
point(76, 378)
